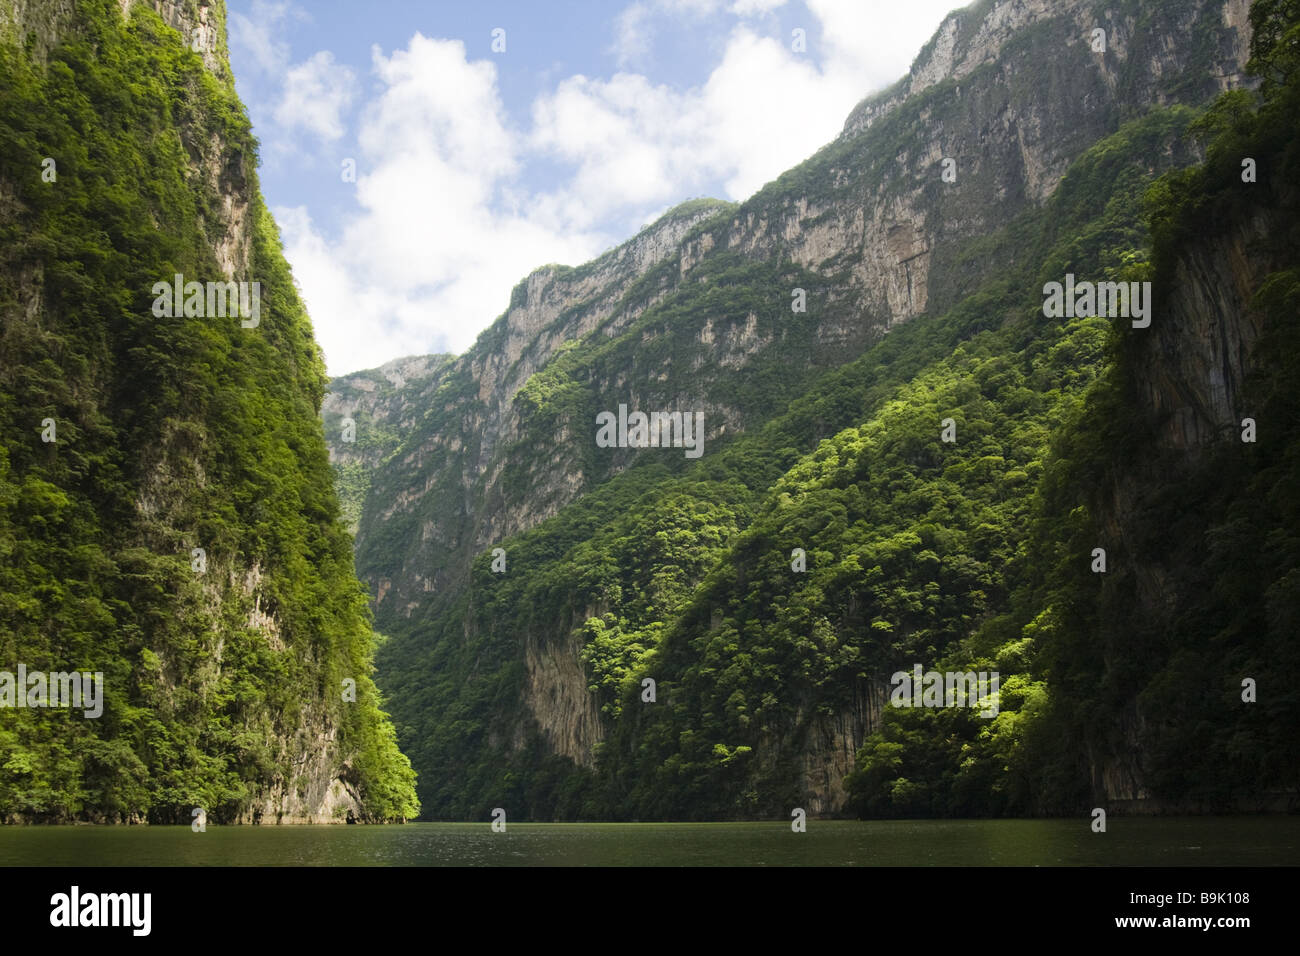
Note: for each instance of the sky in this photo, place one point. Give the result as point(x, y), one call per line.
point(421, 158)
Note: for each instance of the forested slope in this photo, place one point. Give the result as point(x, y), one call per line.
point(918, 468)
point(167, 514)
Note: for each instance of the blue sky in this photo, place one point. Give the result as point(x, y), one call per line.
point(473, 166)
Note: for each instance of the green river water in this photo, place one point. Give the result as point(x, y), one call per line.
point(1163, 841)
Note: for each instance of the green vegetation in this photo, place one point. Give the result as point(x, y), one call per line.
point(379, 410)
point(680, 571)
point(172, 434)
point(1207, 588)
point(966, 556)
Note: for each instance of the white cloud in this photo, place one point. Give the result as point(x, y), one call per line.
point(874, 41)
point(767, 109)
point(316, 93)
point(260, 33)
point(431, 254)
point(445, 219)
point(763, 109)
point(631, 143)
point(632, 36)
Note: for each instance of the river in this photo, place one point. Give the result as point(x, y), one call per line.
point(1133, 841)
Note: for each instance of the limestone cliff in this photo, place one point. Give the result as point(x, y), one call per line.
point(201, 526)
point(868, 215)
point(1010, 91)
point(1195, 410)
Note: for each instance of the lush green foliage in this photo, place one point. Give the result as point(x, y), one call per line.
point(1207, 591)
point(681, 572)
point(172, 434)
point(964, 556)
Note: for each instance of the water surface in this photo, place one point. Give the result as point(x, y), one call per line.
point(1164, 841)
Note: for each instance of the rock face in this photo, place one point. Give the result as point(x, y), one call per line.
point(1194, 371)
point(1189, 377)
point(466, 419)
point(1009, 91)
point(972, 37)
point(324, 789)
point(558, 698)
point(295, 756)
point(365, 415)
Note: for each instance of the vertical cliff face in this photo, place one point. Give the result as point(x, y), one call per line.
point(365, 415)
point(1138, 59)
point(1187, 382)
point(1194, 369)
point(172, 524)
point(1011, 92)
point(437, 500)
point(695, 314)
point(1171, 667)
point(1206, 589)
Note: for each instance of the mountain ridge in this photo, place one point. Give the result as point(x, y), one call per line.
point(877, 240)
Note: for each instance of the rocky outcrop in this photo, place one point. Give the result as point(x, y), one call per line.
point(878, 223)
point(558, 699)
point(1188, 373)
point(994, 110)
point(832, 744)
point(305, 769)
point(367, 413)
point(975, 36)
point(1193, 371)
point(456, 448)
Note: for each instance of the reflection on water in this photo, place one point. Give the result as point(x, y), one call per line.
point(1165, 841)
